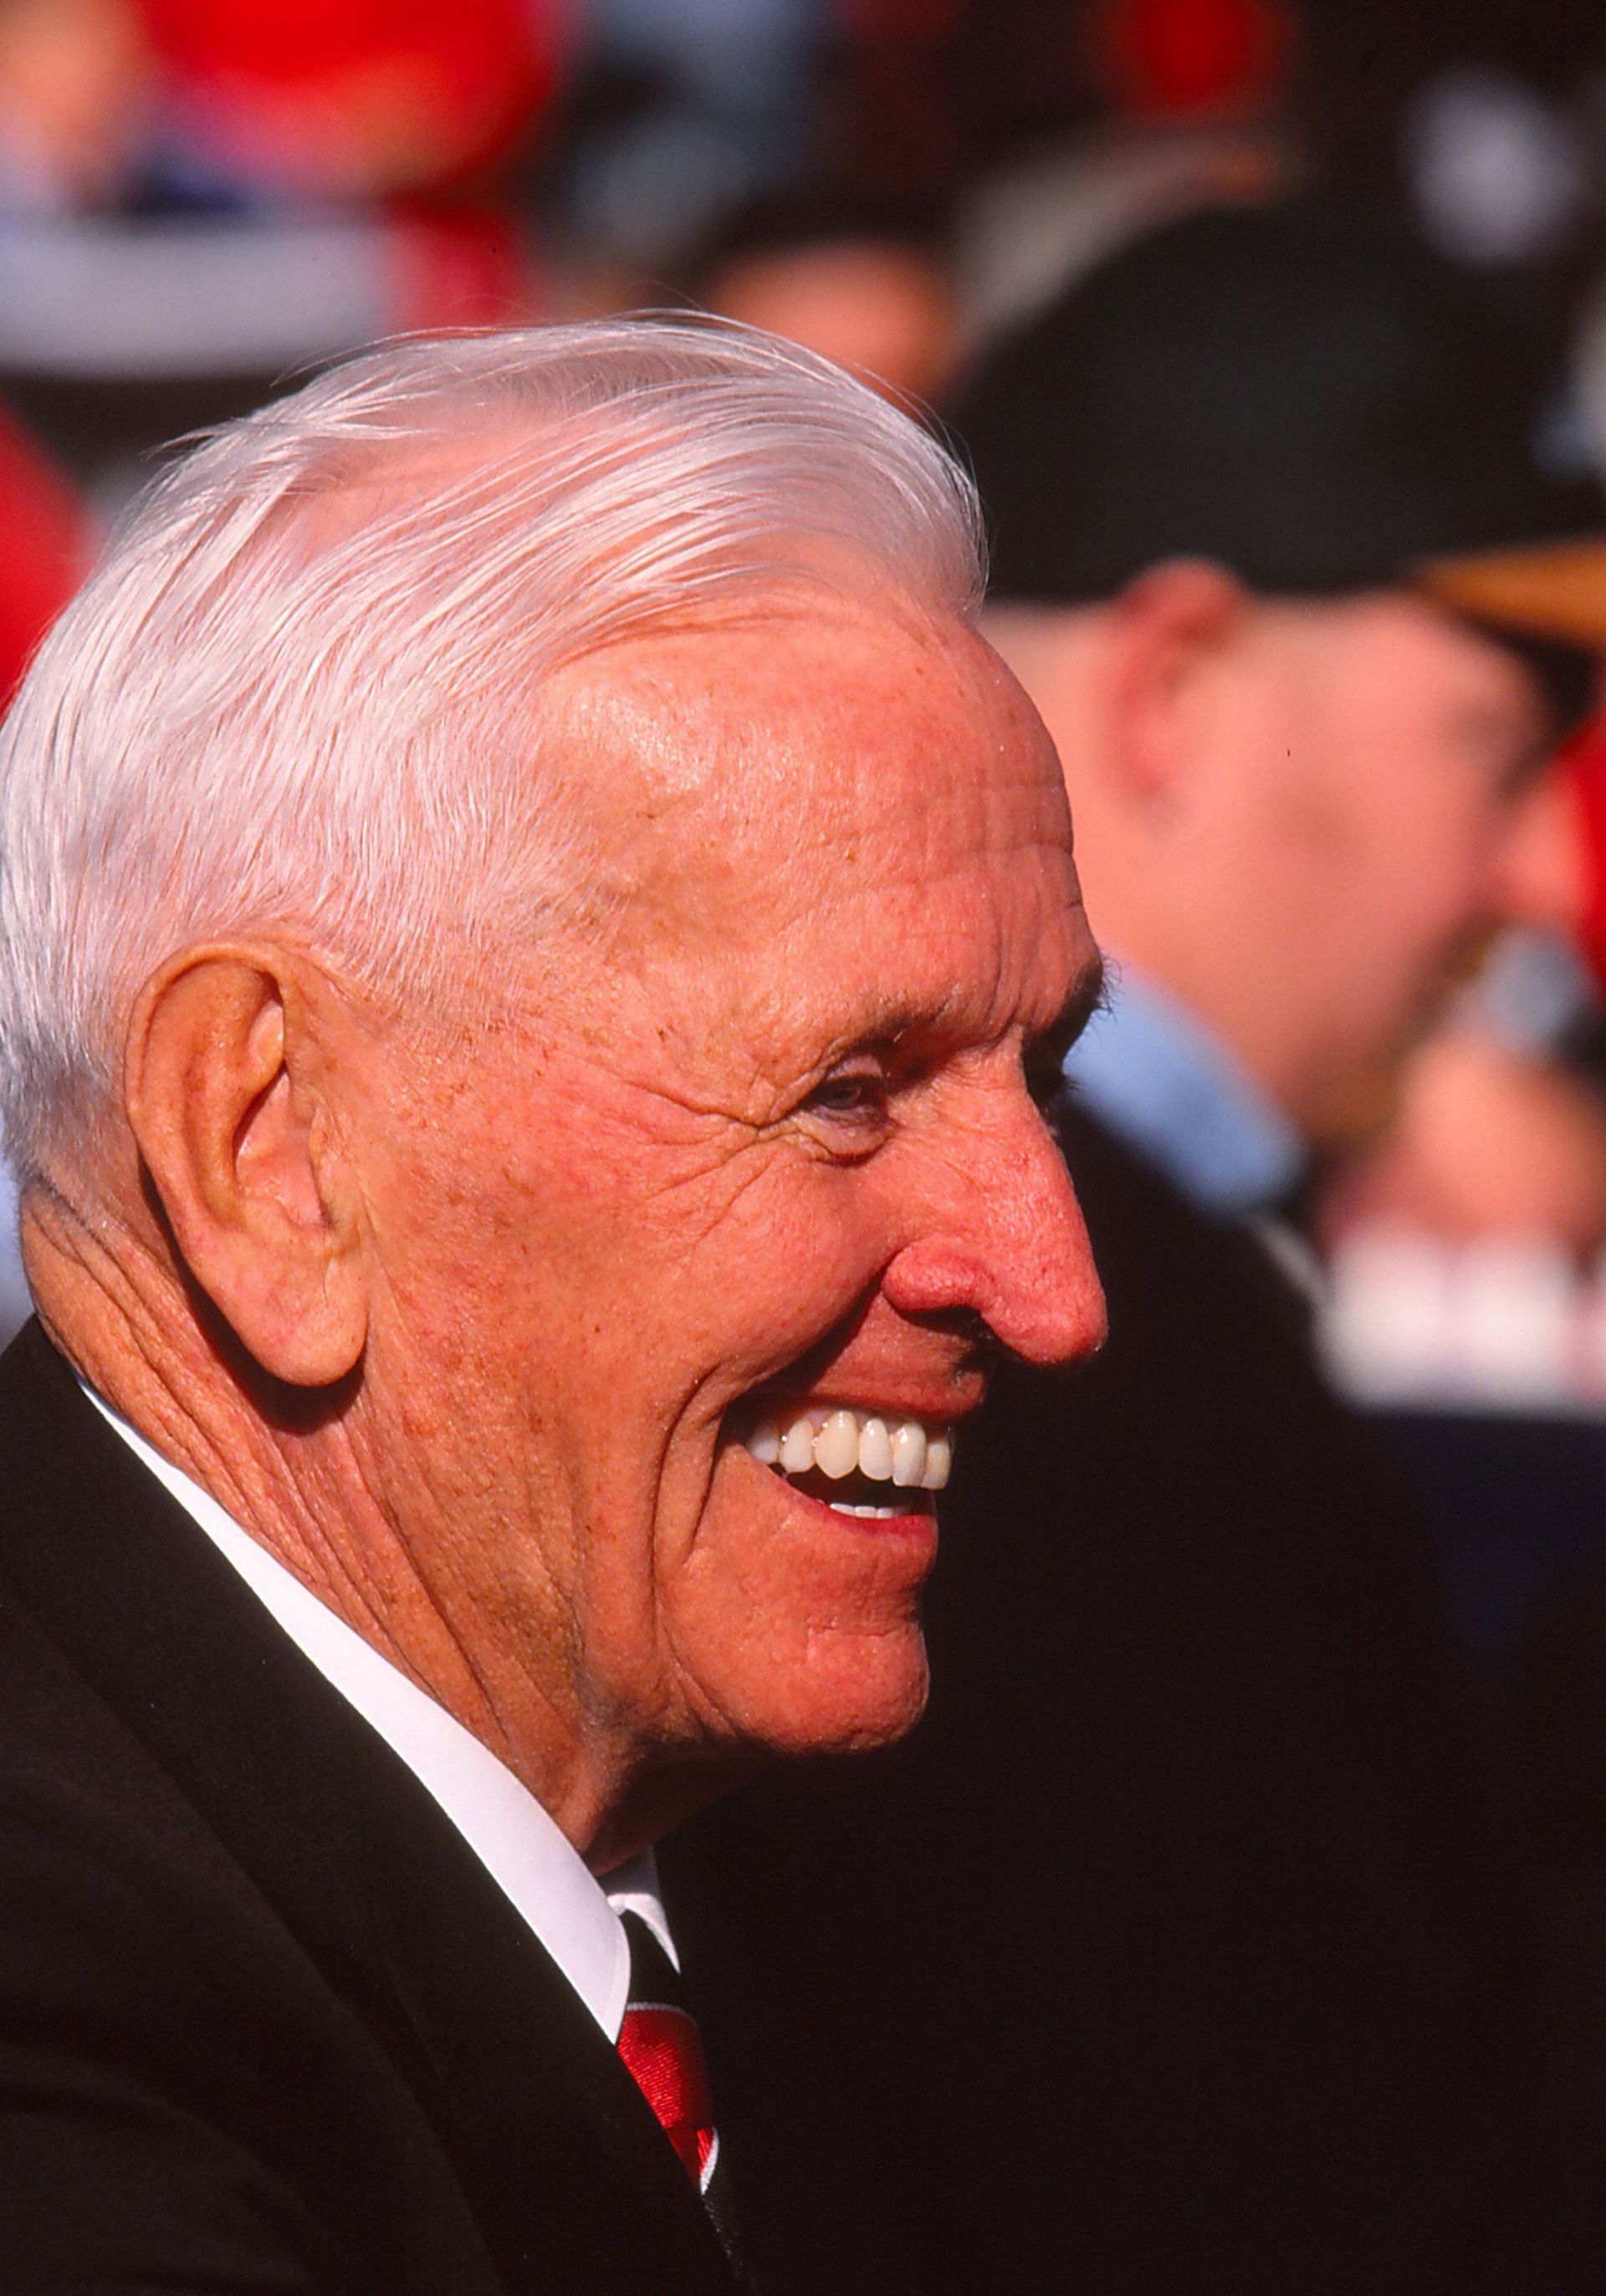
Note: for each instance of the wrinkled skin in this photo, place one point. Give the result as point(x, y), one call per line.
point(769, 1130)
point(788, 1137)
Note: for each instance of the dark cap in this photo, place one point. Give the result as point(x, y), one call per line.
point(1306, 395)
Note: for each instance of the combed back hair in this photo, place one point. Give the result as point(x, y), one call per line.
point(301, 690)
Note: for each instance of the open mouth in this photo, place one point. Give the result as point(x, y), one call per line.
point(856, 1462)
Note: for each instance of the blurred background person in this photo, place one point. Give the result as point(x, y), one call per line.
point(869, 286)
point(1192, 107)
point(1464, 1238)
point(194, 197)
point(1486, 1138)
point(1221, 1965)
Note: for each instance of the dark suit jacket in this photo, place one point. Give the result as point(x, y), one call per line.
point(1171, 1953)
point(265, 2022)
point(1556, 1714)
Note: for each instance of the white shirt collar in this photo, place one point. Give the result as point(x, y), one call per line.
point(519, 1845)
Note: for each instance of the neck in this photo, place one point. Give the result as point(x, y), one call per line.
point(309, 1478)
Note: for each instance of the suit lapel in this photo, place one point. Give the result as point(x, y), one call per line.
point(564, 2167)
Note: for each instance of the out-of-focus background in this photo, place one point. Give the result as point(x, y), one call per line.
point(199, 199)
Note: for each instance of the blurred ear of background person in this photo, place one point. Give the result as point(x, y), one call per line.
point(1173, 1952)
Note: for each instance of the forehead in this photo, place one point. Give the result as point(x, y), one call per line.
point(837, 803)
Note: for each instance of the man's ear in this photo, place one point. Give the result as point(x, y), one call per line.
point(223, 1087)
point(1170, 628)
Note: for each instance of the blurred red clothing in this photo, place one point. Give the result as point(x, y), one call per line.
point(1192, 57)
point(1583, 765)
point(48, 545)
point(360, 96)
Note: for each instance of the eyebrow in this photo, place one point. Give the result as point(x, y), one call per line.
point(888, 1024)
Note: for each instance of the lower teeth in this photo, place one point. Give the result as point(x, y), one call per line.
point(879, 1510)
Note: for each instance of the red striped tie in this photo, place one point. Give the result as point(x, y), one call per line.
point(660, 2044)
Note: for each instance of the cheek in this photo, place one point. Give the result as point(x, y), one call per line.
point(1393, 845)
point(713, 1287)
point(1435, 865)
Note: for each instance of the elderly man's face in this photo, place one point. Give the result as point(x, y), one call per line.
point(768, 1158)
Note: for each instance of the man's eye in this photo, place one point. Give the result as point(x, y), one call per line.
point(1045, 1067)
point(853, 1096)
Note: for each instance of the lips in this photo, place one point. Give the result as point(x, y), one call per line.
point(860, 1462)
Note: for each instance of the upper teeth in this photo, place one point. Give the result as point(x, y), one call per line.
point(840, 1442)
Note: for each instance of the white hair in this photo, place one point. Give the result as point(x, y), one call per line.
point(298, 689)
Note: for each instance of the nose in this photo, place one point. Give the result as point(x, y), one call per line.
point(1005, 1239)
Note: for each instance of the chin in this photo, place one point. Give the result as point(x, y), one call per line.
point(850, 1694)
point(802, 1628)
